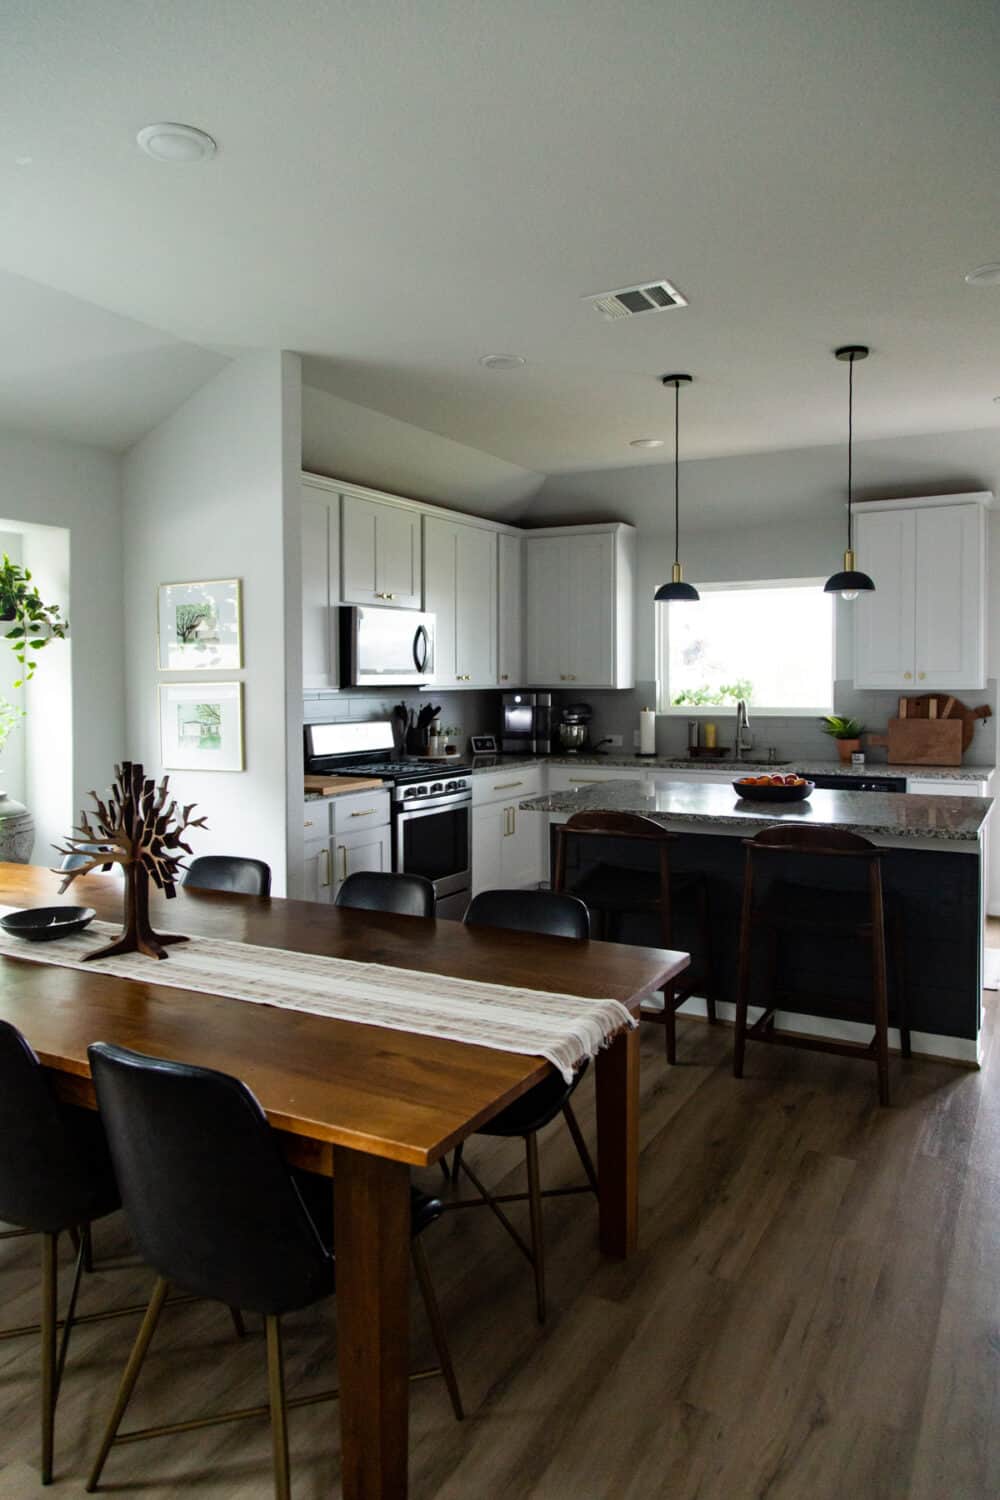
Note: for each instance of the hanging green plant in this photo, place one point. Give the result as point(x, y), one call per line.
point(33, 622)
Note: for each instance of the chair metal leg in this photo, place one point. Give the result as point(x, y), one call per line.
point(438, 1333)
point(238, 1323)
point(279, 1413)
point(456, 1161)
point(537, 1237)
point(69, 1319)
point(50, 1243)
point(87, 1243)
point(580, 1144)
point(132, 1370)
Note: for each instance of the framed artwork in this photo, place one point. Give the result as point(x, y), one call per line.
point(201, 726)
point(200, 626)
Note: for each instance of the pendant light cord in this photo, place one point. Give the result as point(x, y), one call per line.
point(850, 451)
point(677, 472)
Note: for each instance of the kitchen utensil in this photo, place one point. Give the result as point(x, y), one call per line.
point(922, 742)
point(948, 707)
point(773, 793)
point(43, 924)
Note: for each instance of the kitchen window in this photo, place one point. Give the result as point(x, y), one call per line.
point(771, 643)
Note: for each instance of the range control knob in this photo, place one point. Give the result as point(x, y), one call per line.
point(437, 787)
point(451, 786)
point(421, 791)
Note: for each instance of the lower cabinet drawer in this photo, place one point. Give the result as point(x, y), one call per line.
point(507, 784)
point(358, 811)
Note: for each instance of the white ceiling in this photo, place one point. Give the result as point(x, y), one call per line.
point(402, 188)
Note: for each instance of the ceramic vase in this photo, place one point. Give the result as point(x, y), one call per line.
point(17, 831)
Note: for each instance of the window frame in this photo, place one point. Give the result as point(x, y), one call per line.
point(666, 709)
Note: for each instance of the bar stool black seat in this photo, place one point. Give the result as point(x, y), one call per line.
point(618, 890)
point(378, 890)
point(800, 905)
point(554, 915)
point(215, 1210)
point(229, 872)
point(55, 1177)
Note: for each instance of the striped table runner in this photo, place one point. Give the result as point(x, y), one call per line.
point(564, 1029)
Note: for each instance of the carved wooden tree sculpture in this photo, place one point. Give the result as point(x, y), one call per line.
point(138, 829)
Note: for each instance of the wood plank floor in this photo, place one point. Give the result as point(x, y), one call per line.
point(814, 1312)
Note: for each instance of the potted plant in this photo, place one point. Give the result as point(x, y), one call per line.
point(846, 732)
point(17, 830)
point(33, 622)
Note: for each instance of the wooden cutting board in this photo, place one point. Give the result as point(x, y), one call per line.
point(332, 786)
point(944, 706)
point(922, 742)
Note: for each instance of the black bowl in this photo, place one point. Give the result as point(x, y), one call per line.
point(43, 924)
point(773, 793)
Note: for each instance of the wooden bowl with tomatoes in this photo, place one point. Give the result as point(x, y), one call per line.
point(775, 788)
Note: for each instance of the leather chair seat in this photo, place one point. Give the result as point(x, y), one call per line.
point(535, 1109)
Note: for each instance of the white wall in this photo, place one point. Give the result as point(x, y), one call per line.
point(350, 442)
point(12, 756)
point(212, 492)
point(76, 735)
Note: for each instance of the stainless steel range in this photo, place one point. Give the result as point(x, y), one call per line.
point(431, 803)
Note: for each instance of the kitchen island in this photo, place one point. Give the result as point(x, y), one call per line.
point(933, 872)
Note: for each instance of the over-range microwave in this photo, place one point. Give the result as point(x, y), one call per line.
point(380, 645)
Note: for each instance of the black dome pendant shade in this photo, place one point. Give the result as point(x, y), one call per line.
point(850, 582)
point(676, 590)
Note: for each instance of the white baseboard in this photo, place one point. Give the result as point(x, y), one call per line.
point(958, 1049)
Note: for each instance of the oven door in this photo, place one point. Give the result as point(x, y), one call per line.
point(436, 842)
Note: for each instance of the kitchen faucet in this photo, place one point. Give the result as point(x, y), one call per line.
point(744, 739)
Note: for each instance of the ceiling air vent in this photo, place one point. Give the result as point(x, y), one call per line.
point(648, 296)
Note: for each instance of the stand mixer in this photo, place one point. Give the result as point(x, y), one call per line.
point(574, 729)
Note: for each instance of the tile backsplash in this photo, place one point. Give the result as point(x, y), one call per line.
point(618, 713)
point(474, 713)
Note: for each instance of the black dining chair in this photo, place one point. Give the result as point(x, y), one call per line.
point(215, 1210)
point(55, 1177)
point(554, 915)
point(375, 890)
point(229, 872)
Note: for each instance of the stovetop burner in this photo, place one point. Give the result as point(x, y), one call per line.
point(398, 770)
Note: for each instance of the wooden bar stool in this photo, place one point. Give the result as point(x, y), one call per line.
point(792, 906)
point(617, 890)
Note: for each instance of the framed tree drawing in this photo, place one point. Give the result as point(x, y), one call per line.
point(201, 726)
point(200, 626)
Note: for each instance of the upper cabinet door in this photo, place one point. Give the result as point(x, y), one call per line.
point(476, 606)
point(320, 589)
point(884, 651)
point(590, 610)
point(950, 614)
point(545, 618)
point(460, 588)
point(380, 553)
point(510, 609)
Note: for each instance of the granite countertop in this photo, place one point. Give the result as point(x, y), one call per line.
point(673, 802)
point(805, 764)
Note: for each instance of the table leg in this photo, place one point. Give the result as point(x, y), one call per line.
point(372, 1206)
point(617, 1086)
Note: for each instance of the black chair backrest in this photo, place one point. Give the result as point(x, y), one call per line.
point(373, 890)
point(206, 1192)
point(49, 1179)
point(229, 872)
point(548, 912)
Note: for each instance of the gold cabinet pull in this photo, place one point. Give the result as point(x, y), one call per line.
point(504, 677)
point(365, 814)
point(907, 676)
point(921, 675)
point(586, 780)
point(501, 786)
point(327, 877)
point(342, 851)
point(308, 823)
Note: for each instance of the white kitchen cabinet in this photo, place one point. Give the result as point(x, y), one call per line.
point(380, 553)
point(460, 589)
point(932, 787)
point(568, 779)
point(579, 585)
point(924, 627)
point(510, 610)
point(509, 847)
point(320, 588)
point(317, 870)
point(369, 849)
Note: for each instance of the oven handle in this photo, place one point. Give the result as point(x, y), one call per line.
point(421, 810)
point(420, 661)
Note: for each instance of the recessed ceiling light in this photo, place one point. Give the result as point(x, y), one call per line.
point(169, 141)
point(988, 275)
point(503, 361)
point(646, 443)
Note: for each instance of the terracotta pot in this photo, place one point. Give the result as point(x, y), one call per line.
point(847, 748)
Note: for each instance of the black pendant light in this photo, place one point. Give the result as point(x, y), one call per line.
point(850, 582)
point(676, 590)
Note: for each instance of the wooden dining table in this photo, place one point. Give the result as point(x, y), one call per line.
point(362, 1103)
